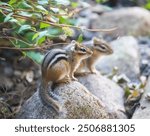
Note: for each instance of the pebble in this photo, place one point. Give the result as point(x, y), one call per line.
point(8, 71)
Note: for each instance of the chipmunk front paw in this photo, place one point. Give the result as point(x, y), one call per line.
point(95, 72)
point(74, 79)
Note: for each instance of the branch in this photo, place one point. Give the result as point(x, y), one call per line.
point(63, 25)
point(45, 47)
point(21, 49)
point(14, 38)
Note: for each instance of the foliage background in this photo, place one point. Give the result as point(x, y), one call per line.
point(27, 24)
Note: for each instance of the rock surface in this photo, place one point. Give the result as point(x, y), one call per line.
point(108, 92)
point(126, 57)
point(143, 111)
point(130, 21)
point(76, 100)
point(144, 45)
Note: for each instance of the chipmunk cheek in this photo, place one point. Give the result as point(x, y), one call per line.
point(90, 52)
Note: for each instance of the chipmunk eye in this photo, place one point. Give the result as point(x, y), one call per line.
point(82, 49)
point(103, 47)
point(96, 44)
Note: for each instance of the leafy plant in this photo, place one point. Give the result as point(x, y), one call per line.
point(101, 1)
point(29, 23)
point(147, 5)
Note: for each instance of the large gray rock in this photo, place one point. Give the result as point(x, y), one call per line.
point(126, 57)
point(75, 99)
point(108, 92)
point(143, 111)
point(130, 21)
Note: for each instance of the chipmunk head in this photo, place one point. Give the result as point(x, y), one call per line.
point(81, 50)
point(102, 46)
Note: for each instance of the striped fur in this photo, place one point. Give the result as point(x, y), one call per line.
point(102, 46)
point(57, 58)
point(52, 57)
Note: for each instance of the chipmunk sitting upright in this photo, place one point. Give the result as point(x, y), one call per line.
point(99, 48)
point(58, 66)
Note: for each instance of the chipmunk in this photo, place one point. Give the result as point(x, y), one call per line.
point(58, 66)
point(99, 48)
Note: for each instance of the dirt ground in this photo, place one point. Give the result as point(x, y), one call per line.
point(19, 78)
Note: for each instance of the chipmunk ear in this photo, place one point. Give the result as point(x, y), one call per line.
point(73, 42)
point(96, 40)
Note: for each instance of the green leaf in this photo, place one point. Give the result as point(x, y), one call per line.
point(74, 4)
point(35, 56)
point(43, 2)
point(55, 10)
point(37, 16)
point(63, 20)
point(23, 28)
point(147, 6)
point(2, 17)
point(8, 17)
point(11, 2)
point(42, 33)
point(68, 31)
point(25, 14)
point(40, 36)
point(5, 4)
point(20, 44)
point(41, 8)
point(28, 35)
point(98, 1)
point(54, 31)
point(26, 5)
point(41, 40)
point(80, 38)
point(54, 19)
point(35, 36)
point(60, 2)
point(44, 25)
point(12, 20)
point(127, 91)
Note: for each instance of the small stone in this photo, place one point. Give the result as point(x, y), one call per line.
point(147, 97)
point(30, 76)
point(121, 79)
point(8, 71)
point(6, 83)
point(17, 73)
point(143, 111)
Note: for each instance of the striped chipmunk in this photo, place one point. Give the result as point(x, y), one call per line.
point(58, 66)
point(99, 47)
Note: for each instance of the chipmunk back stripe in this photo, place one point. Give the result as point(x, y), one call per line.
point(45, 58)
point(50, 56)
point(57, 57)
